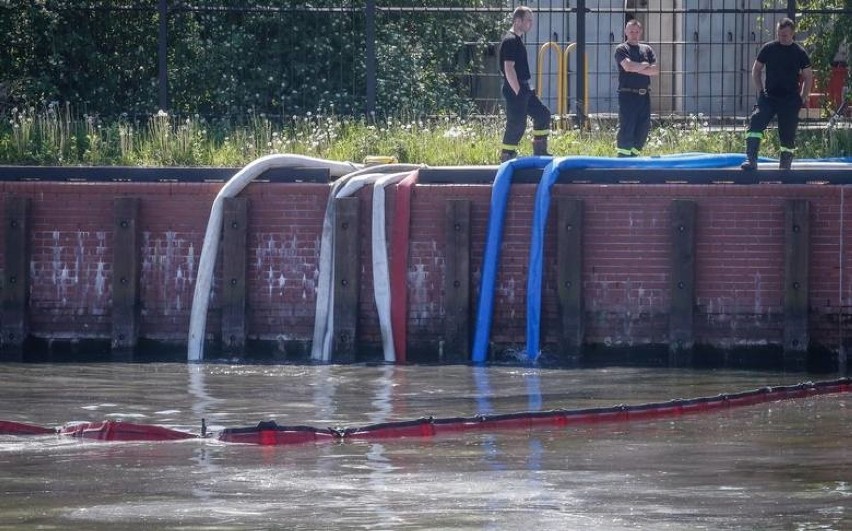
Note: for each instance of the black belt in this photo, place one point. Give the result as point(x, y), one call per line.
point(641, 92)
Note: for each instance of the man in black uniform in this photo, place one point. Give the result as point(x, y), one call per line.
point(521, 100)
point(783, 59)
point(636, 64)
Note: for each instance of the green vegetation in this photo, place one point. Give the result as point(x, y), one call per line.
point(825, 32)
point(281, 57)
point(54, 135)
point(285, 57)
point(249, 78)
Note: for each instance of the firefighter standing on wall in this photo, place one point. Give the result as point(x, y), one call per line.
point(636, 64)
point(521, 100)
point(783, 60)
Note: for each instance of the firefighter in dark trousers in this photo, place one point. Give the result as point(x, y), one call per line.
point(783, 60)
point(521, 100)
point(636, 64)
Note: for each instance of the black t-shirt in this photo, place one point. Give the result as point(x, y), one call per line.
point(783, 64)
point(512, 49)
point(637, 53)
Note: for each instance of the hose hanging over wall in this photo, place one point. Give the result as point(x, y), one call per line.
point(398, 255)
point(324, 316)
point(381, 275)
point(400, 236)
point(210, 247)
point(491, 256)
point(542, 206)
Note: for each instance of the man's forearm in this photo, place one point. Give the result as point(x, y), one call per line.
point(757, 77)
point(807, 84)
point(512, 77)
point(757, 81)
point(651, 70)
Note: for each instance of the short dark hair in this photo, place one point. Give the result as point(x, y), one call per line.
point(520, 12)
point(786, 23)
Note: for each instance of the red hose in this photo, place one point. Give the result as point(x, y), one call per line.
point(400, 235)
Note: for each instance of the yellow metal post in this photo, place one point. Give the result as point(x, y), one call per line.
point(560, 77)
point(562, 86)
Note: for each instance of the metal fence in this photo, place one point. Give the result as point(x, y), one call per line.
point(220, 57)
point(705, 50)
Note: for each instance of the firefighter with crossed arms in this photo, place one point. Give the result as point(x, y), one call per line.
point(637, 63)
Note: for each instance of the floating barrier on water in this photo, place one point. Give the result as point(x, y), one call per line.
point(429, 427)
point(269, 433)
point(9, 427)
point(117, 430)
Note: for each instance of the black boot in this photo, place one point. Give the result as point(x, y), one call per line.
point(540, 147)
point(507, 154)
point(752, 147)
point(786, 161)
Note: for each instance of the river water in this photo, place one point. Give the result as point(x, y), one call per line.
point(781, 465)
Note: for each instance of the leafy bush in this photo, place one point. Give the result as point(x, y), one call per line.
point(226, 57)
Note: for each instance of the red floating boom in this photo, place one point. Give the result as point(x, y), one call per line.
point(114, 430)
point(8, 427)
point(269, 433)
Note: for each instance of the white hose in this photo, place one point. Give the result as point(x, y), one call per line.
point(381, 276)
point(327, 310)
point(210, 247)
point(324, 315)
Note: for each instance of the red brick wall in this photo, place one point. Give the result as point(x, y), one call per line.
point(739, 260)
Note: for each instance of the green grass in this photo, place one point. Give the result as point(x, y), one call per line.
point(55, 135)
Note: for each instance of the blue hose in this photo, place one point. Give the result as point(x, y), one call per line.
point(542, 205)
point(491, 256)
point(552, 169)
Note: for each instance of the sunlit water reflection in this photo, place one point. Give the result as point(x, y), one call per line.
point(782, 465)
